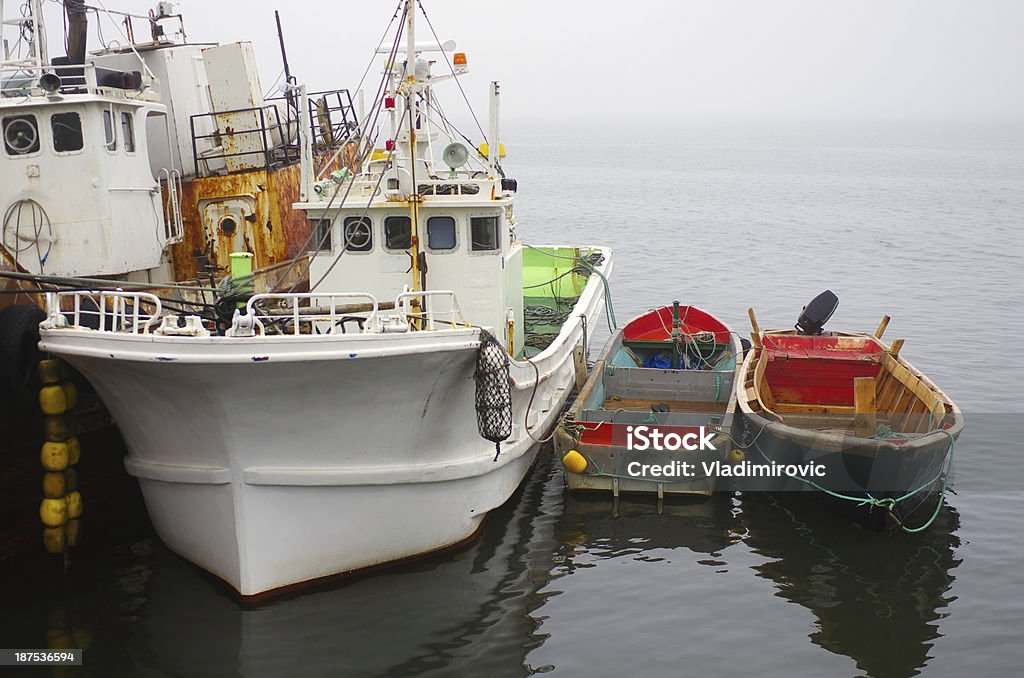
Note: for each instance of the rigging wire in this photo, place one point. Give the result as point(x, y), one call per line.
point(452, 69)
point(362, 219)
point(449, 126)
point(362, 123)
point(303, 251)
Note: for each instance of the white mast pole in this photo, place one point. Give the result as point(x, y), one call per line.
point(493, 145)
point(39, 27)
point(305, 145)
point(418, 279)
point(410, 80)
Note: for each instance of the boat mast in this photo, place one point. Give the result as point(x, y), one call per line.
point(494, 146)
point(419, 277)
point(289, 81)
point(36, 58)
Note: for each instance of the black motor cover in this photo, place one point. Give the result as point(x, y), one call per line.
point(816, 314)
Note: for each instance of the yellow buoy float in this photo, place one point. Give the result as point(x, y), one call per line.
point(54, 512)
point(736, 457)
point(54, 456)
point(57, 428)
point(53, 400)
point(54, 485)
point(50, 371)
point(70, 394)
point(54, 539)
point(574, 462)
point(74, 501)
point(74, 450)
point(62, 503)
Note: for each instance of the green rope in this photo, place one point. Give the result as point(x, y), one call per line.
point(651, 419)
point(884, 432)
point(718, 386)
point(935, 514)
point(609, 308)
point(890, 503)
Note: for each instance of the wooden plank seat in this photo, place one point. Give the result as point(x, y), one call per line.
point(679, 406)
point(821, 354)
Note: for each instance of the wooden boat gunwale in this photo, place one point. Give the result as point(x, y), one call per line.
point(828, 441)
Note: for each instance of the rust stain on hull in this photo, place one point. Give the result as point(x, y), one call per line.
point(242, 212)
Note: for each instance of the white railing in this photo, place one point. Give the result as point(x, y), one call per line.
point(107, 311)
point(420, 306)
point(173, 226)
point(305, 313)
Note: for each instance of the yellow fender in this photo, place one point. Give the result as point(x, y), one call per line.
point(52, 400)
point(54, 456)
point(574, 462)
point(53, 512)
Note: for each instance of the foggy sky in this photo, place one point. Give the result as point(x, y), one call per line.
point(642, 61)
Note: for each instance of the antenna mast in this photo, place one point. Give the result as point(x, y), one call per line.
point(419, 269)
point(36, 57)
point(288, 79)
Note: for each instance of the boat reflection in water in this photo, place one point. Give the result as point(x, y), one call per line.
point(464, 613)
point(877, 600)
point(471, 612)
point(592, 524)
point(506, 605)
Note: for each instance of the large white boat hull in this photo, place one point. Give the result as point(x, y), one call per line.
point(272, 461)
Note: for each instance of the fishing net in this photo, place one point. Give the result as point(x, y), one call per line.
point(493, 393)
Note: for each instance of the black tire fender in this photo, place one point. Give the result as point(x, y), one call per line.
point(20, 355)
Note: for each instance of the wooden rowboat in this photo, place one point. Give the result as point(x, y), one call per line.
point(672, 370)
point(882, 431)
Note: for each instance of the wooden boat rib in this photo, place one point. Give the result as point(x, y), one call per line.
point(843, 374)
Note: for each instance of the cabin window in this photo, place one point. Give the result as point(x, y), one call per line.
point(67, 132)
point(441, 233)
point(397, 233)
point(483, 234)
point(128, 132)
point(109, 136)
point(358, 234)
point(21, 134)
point(322, 234)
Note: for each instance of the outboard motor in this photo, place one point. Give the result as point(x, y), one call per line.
point(816, 314)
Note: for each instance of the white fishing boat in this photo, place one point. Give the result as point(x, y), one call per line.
point(145, 162)
point(142, 160)
point(381, 415)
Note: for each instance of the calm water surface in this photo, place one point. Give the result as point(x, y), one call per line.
point(918, 222)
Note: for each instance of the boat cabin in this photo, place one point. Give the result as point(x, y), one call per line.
point(407, 221)
point(76, 172)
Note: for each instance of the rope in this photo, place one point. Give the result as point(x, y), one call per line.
point(691, 339)
point(890, 503)
point(91, 283)
point(529, 406)
point(40, 220)
point(590, 262)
